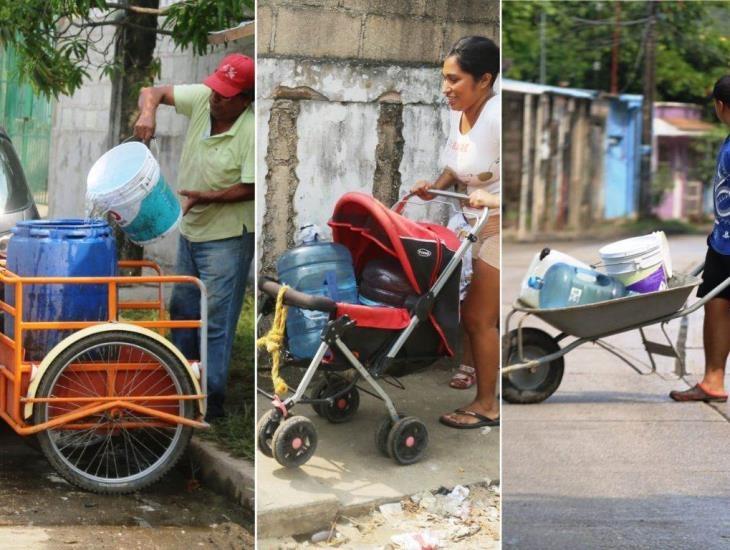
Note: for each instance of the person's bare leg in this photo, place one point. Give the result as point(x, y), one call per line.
point(464, 377)
point(480, 315)
point(716, 337)
point(466, 358)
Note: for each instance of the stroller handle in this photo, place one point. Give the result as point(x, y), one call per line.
point(292, 297)
point(449, 194)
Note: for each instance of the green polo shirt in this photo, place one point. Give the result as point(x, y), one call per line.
point(212, 163)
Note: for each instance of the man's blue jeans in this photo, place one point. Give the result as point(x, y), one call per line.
point(223, 266)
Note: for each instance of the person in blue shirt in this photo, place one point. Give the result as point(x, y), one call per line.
point(716, 331)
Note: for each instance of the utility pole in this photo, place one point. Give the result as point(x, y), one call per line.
point(543, 68)
point(647, 112)
point(615, 48)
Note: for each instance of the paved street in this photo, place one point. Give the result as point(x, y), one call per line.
point(609, 461)
point(39, 510)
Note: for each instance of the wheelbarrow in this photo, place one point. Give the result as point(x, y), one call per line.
point(532, 358)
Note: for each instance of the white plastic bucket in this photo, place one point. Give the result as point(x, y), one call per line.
point(126, 182)
point(638, 262)
point(541, 262)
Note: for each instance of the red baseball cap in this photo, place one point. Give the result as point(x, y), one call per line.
point(235, 74)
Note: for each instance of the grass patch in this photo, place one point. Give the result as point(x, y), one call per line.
point(235, 432)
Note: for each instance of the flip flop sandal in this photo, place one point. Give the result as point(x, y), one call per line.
point(483, 420)
point(464, 378)
point(698, 393)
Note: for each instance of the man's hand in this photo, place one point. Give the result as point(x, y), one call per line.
point(235, 193)
point(149, 99)
point(144, 128)
point(191, 199)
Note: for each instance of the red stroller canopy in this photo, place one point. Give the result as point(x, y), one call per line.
point(369, 230)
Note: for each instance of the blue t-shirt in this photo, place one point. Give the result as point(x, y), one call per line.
point(720, 237)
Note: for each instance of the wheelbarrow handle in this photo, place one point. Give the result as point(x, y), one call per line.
point(295, 298)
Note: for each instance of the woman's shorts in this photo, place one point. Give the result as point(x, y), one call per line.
point(487, 247)
point(717, 269)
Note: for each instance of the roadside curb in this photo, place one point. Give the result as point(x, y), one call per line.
point(233, 477)
point(305, 518)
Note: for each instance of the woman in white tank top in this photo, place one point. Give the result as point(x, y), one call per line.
point(472, 159)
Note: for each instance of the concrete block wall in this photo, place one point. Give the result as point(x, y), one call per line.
point(349, 99)
point(80, 126)
point(409, 31)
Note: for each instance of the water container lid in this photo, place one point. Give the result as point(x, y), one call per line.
point(629, 248)
point(61, 228)
point(118, 167)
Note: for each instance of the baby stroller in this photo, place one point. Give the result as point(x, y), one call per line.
point(374, 341)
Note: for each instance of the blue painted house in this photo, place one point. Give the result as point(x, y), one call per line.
point(622, 159)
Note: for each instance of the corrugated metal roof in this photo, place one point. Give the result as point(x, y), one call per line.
point(519, 86)
point(677, 127)
point(509, 85)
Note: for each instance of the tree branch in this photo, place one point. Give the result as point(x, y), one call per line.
point(138, 9)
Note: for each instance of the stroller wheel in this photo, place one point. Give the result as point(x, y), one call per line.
point(344, 407)
point(265, 429)
point(381, 435)
point(319, 391)
point(295, 441)
point(407, 440)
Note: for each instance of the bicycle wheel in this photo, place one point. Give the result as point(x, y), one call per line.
point(118, 450)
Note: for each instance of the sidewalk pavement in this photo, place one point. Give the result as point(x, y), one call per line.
point(348, 475)
point(609, 461)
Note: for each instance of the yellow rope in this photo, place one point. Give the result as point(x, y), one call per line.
point(273, 341)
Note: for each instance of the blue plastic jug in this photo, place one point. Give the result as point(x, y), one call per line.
point(321, 269)
point(60, 248)
point(567, 285)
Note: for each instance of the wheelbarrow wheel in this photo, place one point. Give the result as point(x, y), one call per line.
point(295, 441)
point(538, 383)
point(265, 429)
point(117, 450)
point(407, 440)
point(341, 409)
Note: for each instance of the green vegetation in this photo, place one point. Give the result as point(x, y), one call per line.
point(58, 41)
point(693, 49)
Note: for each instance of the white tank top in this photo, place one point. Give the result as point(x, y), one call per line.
point(474, 156)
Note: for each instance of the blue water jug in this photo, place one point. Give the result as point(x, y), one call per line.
point(567, 285)
point(321, 269)
point(60, 248)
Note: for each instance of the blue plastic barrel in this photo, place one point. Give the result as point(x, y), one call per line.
point(60, 248)
point(321, 269)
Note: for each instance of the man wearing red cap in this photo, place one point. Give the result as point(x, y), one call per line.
point(216, 181)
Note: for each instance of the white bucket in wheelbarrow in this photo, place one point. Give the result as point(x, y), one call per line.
point(127, 182)
point(642, 264)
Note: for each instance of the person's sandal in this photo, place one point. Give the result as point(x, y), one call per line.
point(482, 421)
point(464, 378)
point(698, 393)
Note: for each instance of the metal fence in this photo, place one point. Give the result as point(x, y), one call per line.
point(26, 118)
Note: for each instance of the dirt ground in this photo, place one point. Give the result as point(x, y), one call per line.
point(39, 509)
point(464, 518)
